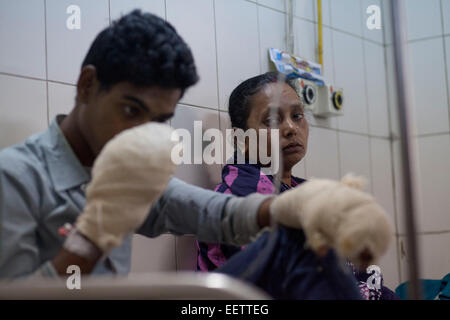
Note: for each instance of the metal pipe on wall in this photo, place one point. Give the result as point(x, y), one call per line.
point(408, 152)
point(320, 37)
point(290, 26)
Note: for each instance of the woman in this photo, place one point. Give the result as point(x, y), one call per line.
point(249, 108)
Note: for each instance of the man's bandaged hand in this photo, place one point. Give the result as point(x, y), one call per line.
point(128, 176)
point(338, 215)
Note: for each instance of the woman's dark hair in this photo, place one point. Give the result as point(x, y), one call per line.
point(144, 50)
point(239, 103)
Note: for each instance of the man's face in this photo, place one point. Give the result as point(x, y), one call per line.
point(105, 113)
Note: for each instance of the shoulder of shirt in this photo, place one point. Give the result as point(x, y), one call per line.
point(23, 159)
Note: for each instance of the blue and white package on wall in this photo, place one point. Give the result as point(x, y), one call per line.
point(295, 67)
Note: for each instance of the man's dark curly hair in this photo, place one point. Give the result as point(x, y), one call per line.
point(144, 50)
point(239, 104)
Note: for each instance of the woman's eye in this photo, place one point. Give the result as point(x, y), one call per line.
point(131, 111)
point(268, 121)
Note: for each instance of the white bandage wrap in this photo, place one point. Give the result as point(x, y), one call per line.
point(336, 214)
point(78, 244)
point(128, 176)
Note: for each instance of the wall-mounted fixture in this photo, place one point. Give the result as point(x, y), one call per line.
point(321, 98)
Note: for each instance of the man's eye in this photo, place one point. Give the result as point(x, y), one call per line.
point(298, 116)
point(131, 111)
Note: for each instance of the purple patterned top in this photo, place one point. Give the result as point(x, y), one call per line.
point(243, 179)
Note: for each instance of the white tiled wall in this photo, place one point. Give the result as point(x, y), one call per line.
point(21, 114)
point(377, 98)
point(328, 71)
point(431, 105)
point(305, 39)
point(66, 48)
point(434, 168)
point(61, 99)
point(424, 18)
point(432, 257)
point(429, 67)
point(355, 155)
point(274, 4)
point(203, 175)
point(229, 39)
point(153, 254)
point(348, 73)
point(381, 169)
point(446, 13)
point(22, 35)
point(238, 52)
point(118, 8)
point(346, 16)
point(272, 34)
point(195, 22)
point(375, 35)
point(322, 157)
point(305, 9)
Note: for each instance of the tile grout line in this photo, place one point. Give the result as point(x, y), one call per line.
point(331, 129)
point(444, 35)
point(225, 111)
point(259, 38)
point(175, 252)
point(109, 11)
point(391, 148)
point(165, 10)
point(383, 11)
point(195, 106)
point(365, 74)
point(328, 128)
point(333, 61)
point(315, 22)
point(366, 96)
point(425, 233)
point(338, 144)
point(217, 66)
point(46, 63)
point(396, 209)
point(217, 57)
point(34, 78)
point(427, 135)
point(63, 83)
point(313, 126)
point(334, 80)
point(316, 34)
point(445, 64)
point(371, 165)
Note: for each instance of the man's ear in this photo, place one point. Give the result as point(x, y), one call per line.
point(87, 84)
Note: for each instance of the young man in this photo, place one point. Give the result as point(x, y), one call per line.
point(135, 72)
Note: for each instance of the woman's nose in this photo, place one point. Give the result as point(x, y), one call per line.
point(288, 128)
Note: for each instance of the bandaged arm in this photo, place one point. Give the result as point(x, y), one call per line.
point(186, 209)
point(211, 216)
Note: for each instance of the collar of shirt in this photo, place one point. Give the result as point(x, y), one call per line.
point(65, 169)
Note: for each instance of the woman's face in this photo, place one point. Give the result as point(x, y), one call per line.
point(291, 121)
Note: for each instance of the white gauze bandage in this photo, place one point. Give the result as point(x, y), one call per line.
point(336, 214)
point(128, 176)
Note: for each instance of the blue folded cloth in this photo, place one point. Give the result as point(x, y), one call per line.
point(431, 289)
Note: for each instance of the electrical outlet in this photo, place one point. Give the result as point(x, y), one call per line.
point(322, 101)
